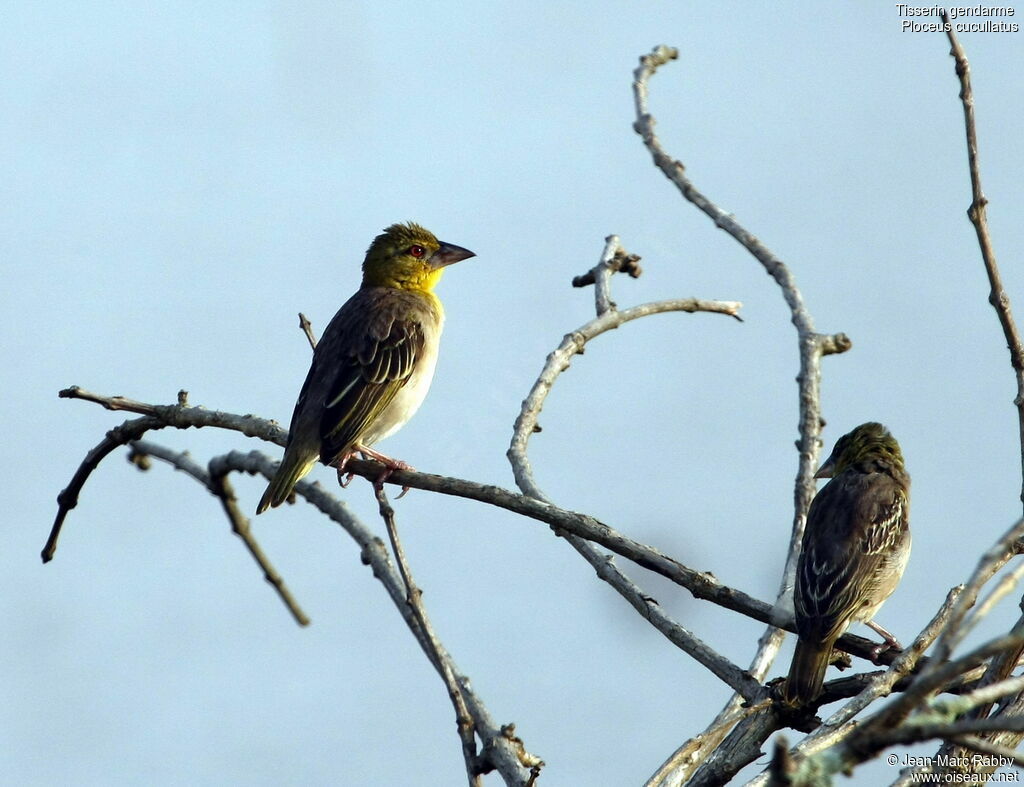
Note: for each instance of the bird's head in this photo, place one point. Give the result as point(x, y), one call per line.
point(409, 257)
point(867, 443)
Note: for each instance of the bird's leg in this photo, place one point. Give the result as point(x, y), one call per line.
point(890, 640)
point(390, 466)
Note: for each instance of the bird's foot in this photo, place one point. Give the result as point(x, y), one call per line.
point(390, 465)
point(344, 477)
point(891, 643)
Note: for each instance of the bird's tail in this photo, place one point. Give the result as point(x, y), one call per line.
point(291, 469)
point(807, 672)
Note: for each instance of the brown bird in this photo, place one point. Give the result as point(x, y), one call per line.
point(855, 548)
point(372, 367)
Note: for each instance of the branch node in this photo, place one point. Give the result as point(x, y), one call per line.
point(307, 328)
point(834, 344)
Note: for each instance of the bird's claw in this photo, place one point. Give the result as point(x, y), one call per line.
point(390, 466)
point(890, 643)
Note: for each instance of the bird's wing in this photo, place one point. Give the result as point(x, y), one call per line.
point(854, 526)
point(370, 372)
point(366, 354)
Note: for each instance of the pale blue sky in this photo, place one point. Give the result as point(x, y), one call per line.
point(179, 179)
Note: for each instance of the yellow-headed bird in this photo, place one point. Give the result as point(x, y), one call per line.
point(855, 548)
point(373, 365)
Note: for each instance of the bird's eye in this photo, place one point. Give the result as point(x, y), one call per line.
point(417, 251)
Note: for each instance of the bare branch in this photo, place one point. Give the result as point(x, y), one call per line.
point(614, 259)
point(68, 498)
point(307, 328)
point(217, 484)
point(977, 214)
point(414, 598)
point(180, 416)
point(993, 560)
point(651, 611)
point(558, 361)
point(812, 346)
point(1003, 663)
point(501, 749)
point(702, 585)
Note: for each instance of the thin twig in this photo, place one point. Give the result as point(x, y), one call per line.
point(180, 416)
point(559, 359)
point(501, 750)
point(217, 484)
point(989, 564)
point(1002, 664)
point(650, 610)
point(614, 259)
point(414, 598)
point(1007, 584)
point(68, 498)
point(307, 328)
point(977, 214)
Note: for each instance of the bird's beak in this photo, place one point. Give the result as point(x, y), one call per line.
point(449, 254)
point(827, 469)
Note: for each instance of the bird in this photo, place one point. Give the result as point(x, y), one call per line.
point(855, 548)
point(374, 363)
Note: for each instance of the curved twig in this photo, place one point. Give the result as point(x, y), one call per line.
point(558, 361)
point(68, 498)
point(812, 347)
